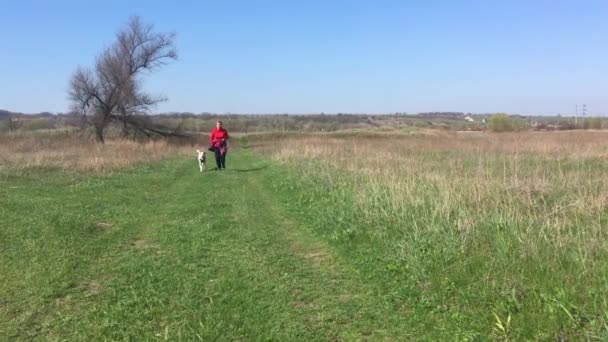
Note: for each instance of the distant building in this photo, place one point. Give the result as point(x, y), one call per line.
point(468, 118)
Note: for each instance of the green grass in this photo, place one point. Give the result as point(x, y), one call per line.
point(264, 252)
point(163, 252)
point(457, 286)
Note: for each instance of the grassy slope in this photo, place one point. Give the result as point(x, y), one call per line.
point(162, 251)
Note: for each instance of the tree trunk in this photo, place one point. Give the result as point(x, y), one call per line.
point(99, 134)
point(125, 129)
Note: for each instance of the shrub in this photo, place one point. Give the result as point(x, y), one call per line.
point(504, 123)
point(594, 123)
point(565, 125)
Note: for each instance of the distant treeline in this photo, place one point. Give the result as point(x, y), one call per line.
point(249, 123)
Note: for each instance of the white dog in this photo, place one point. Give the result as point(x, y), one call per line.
point(202, 159)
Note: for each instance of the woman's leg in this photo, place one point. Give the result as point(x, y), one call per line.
point(218, 158)
point(223, 159)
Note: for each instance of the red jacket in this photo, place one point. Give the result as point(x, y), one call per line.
point(218, 135)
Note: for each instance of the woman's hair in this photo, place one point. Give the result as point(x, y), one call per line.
point(219, 121)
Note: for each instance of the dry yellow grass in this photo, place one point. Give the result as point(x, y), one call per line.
point(69, 151)
point(549, 178)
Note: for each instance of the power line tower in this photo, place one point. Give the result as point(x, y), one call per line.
point(584, 110)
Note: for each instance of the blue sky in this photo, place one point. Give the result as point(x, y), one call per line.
point(528, 57)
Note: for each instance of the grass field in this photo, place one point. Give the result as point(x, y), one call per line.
point(163, 252)
point(466, 231)
point(428, 236)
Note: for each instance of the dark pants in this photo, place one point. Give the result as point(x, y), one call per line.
point(220, 159)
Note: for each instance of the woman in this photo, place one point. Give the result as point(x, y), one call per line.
point(217, 140)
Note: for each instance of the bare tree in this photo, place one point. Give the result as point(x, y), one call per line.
point(111, 92)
